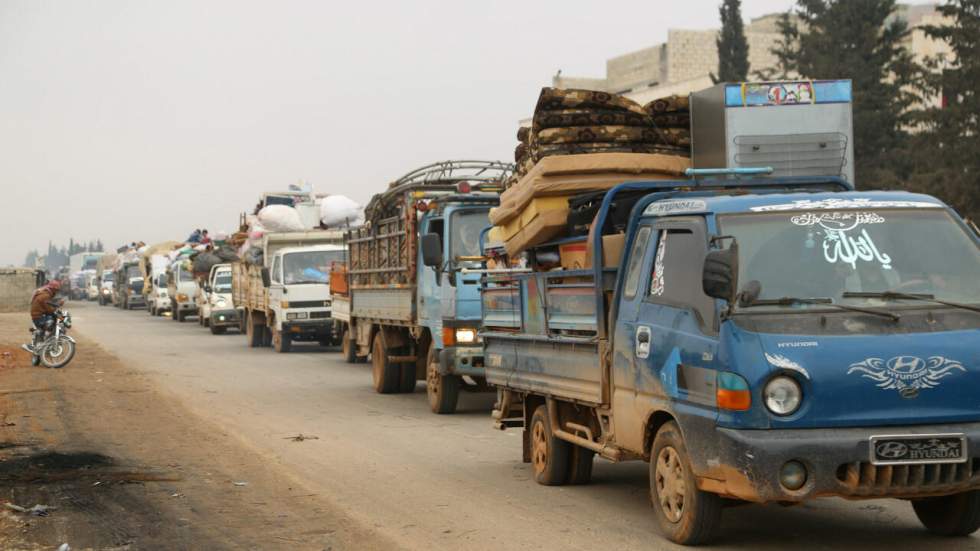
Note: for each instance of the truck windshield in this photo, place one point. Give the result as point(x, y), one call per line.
point(827, 253)
point(108, 277)
point(465, 228)
point(222, 283)
point(309, 267)
point(133, 271)
point(184, 275)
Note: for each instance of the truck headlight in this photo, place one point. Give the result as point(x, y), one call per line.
point(297, 316)
point(105, 291)
point(466, 336)
point(783, 395)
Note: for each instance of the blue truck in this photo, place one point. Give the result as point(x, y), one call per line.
point(762, 339)
point(410, 306)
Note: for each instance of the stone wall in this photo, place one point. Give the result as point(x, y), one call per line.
point(16, 288)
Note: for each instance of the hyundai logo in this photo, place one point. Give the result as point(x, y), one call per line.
point(906, 365)
point(891, 450)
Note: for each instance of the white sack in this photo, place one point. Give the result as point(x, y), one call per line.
point(340, 210)
point(280, 218)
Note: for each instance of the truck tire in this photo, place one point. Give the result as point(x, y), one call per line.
point(442, 390)
point(406, 378)
point(955, 515)
point(385, 373)
point(685, 514)
point(580, 465)
point(173, 314)
point(281, 342)
point(549, 454)
point(348, 348)
point(181, 316)
point(253, 331)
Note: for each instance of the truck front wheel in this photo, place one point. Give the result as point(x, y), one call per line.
point(442, 390)
point(955, 515)
point(281, 341)
point(254, 331)
point(385, 373)
point(685, 514)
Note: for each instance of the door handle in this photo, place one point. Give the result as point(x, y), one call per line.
point(642, 344)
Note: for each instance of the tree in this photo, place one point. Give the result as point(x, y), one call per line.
point(733, 48)
point(861, 41)
point(947, 145)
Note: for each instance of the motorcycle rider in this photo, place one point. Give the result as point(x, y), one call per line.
point(43, 307)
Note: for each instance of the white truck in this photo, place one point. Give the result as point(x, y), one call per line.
point(80, 262)
point(182, 289)
point(286, 298)
point(215, 304)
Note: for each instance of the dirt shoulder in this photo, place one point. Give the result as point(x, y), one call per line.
point(123, 467)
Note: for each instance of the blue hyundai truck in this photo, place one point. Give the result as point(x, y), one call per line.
point(411, 306)
point(763, 339)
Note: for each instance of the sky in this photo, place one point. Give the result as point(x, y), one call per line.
point(128, 120)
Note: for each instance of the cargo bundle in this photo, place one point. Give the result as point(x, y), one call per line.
point(580, 144)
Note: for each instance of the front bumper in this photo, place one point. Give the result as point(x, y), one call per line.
point(308, 330)
point(228, 317)
point(746, 464)
point(184, 307)
point(462, 360)
point(136, 300)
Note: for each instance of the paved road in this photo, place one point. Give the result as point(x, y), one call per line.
point(442, 482)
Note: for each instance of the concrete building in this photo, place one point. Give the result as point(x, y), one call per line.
point(686, 61)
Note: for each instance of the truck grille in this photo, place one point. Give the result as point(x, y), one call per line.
point(309, 303)
point(318, 315)
point(864, 478)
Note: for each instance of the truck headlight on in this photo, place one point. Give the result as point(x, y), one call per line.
point(783, 395)
point(297, 316)
point(465, 336)
point(105, 291)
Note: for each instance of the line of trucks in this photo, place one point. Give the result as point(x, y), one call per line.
point(742, 319)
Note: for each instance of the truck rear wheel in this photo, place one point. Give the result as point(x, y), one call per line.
point(685, 514)
point(282, 342)
point(955, 515)
point(580, 465)
point(348, 348)
point(406, 378)
point(254, 331)
point(442, 390)
point(385, 374)
point(549, 454)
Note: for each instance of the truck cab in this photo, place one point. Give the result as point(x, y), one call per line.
point(129, 287)
point(216, 308)
point(759, 345)
point(298, 283)
point(448, 298)
point(182, 288)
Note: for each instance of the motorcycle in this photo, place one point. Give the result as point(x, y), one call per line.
point(52, 346)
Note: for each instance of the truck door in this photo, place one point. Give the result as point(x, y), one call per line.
point(428, 303)
point(666, 335)
point(276, 290)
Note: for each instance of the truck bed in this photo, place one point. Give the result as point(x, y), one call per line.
point(246, 287)
point(532, 320)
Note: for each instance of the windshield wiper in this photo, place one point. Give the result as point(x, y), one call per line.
point(895, 295)
point(790, 301)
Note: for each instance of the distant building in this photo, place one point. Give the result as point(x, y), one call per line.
point(686, 61)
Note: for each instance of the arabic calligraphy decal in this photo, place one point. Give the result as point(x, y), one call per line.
point(833, 204)
point(657, 285)
point(906, 372)
point(842, 243)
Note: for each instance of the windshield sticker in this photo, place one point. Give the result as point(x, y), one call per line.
point(662, 208)
point(838, 244)
point(657, 285)
point(906, 374)
point(834, 204)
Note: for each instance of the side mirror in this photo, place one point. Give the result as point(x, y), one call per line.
point(719, 277)
point(266, 280)
point(431, 245)
point(207, 287)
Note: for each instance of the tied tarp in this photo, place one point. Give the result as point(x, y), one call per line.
point(203, 262)
point(597, 134)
